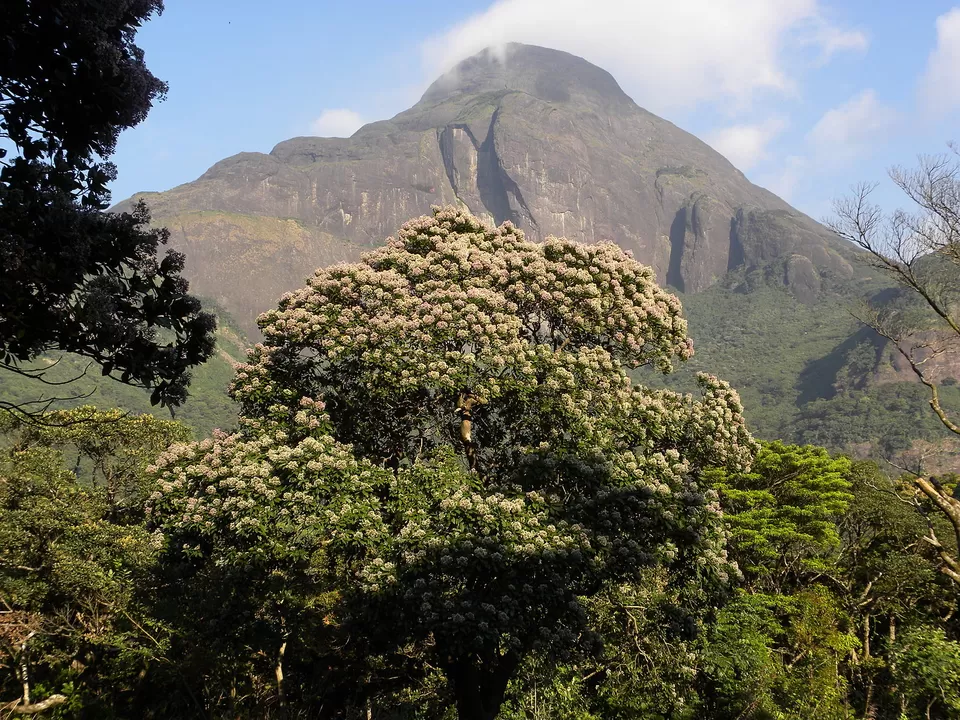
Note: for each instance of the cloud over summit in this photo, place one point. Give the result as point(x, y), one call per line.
point(339, 122)
point(665, 55)
point(940, 84)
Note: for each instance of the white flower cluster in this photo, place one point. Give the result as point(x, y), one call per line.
point(453, 303)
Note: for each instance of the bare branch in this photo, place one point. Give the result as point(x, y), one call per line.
point(38, 373)
point(921, 251)
point(43, 416)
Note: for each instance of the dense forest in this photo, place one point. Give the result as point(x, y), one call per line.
point(456, 479)
point(565, 543)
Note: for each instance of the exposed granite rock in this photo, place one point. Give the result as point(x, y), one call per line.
point(542, 138)
point(802, 278)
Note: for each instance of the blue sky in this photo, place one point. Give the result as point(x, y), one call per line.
point(806, 96)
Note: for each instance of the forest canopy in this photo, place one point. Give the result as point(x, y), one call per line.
point(459, 478)
point(445, 497)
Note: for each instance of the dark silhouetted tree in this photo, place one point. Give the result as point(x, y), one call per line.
point(74, 278)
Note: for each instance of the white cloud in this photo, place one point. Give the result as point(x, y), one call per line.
point(841, 136)
point(665, 54)
point(336, 123)
point(851, 129)
point(940, 84)
point(818, 33)
point(746, 145)
point(831, 40)
point(784, 182)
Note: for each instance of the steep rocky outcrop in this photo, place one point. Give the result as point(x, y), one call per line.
point(535, 136)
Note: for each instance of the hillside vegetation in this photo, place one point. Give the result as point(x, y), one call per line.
point(809, 374)
point(207, 406)
point(449, 500)
point(812, 373)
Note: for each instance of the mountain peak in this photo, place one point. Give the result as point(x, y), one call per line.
point(551, 75)
point(536, 136)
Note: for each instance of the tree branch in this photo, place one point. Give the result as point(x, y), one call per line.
point(16, 708)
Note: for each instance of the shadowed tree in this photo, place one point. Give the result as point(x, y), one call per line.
point(76, 562)
point(72, 277)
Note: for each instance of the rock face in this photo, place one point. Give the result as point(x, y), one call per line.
point(535, 136)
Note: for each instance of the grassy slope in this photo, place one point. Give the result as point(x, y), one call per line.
point(803, 371)
point(207, 407)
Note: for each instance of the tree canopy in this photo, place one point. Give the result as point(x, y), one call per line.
point(447, 497)
point(446, 433)
point(76, 561)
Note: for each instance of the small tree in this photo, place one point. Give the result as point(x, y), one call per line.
point(927, 666)
point(921, 251)
point(72, 277)
point(781, 643)
point(108, 451)
point(782, 514)
point(73, 556)
point(447, 435)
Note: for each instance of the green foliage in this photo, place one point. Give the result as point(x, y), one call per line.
point(881, 554)
point(54, 527)
point(890, 416)
point(109, 451)
point(72, 560)
point(763, 339)
point(806, 373)
point(207, 406)
point(827, 644)
point(467, 517)
point(650, 630)
point(777, 650)
point(927, 667)
point(779, 656)
point(782, 513)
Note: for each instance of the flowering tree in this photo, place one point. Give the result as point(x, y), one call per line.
point(446, 432)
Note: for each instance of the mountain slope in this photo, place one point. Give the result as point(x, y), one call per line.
point(538, 137)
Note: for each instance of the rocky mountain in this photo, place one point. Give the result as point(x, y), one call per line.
point(535, 136)
point(552, 143)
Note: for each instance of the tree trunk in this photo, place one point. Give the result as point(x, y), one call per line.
point(894, 688)
point(479, 687)
point(950, 507)
point(869, 708)
point(18, 707)
point(278, 671)
point(866, 637)
point(465, 410)
point(24, 706)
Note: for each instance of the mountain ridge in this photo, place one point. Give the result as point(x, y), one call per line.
point(536, 136)
point(551, 142)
